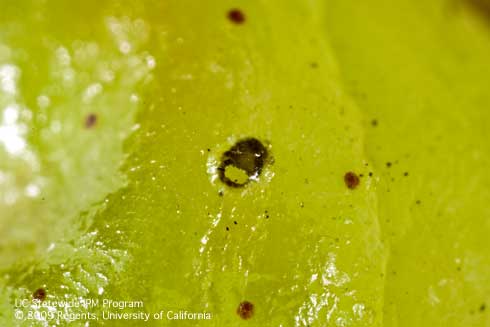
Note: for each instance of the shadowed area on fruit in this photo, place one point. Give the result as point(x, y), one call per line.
point(482, 7)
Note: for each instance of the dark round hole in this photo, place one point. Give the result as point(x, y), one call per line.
point(242, 162)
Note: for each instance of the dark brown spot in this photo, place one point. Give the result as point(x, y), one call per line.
point(351, 180)
point(227, 228)
point(483, 307)
point(248, 156)
point(90, 120)
point(388, 164)
point(370, 174)
point(417, 202)
point(482, 7)
point(245, 310)
point(235, 222)
point(405, 173)
point(374, 122)
point(236, 16)
point(39, 294)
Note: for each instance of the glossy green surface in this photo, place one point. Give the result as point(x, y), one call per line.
point(130, 208)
